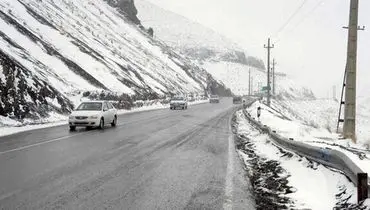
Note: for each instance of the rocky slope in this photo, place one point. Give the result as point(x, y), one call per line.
point(127, 8)
point(53, 50)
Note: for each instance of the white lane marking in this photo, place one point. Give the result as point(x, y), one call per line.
point(228, 204)
point(41, 143)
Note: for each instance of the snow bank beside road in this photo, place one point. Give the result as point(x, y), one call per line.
point(309, 124)
point(310, 185)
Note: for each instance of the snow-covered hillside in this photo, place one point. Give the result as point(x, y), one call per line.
point(179, 31)
point(219, 56)
point(190, 38)
point(50, 49)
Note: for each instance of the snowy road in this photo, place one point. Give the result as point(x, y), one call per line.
point(153, 160)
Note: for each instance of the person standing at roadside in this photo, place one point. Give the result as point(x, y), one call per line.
point(258, 113)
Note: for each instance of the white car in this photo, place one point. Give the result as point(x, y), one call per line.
point(179, 102)
point(93, 114)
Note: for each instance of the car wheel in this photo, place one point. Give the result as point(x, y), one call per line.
point(101, 124)
point(72, 128)
point(114, 123)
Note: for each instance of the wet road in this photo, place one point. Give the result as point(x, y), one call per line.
point(162, 159)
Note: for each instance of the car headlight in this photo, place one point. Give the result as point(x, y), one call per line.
point(71, 117)
point(94, 117)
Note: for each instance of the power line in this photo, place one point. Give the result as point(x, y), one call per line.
point(304, 18)
point(291, 17)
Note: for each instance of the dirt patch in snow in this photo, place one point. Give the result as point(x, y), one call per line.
point(268, 178)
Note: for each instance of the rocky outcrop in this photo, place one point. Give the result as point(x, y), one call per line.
point(23, 95)
point(127, 7)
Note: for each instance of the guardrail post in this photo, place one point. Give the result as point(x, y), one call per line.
point(362, 187)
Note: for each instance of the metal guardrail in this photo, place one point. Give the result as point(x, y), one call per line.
point(326, 156)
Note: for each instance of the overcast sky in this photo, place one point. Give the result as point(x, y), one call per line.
point(312, 51)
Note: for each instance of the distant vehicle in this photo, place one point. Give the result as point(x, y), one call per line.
point(237, 100)
point(93, 114)
point(179, 102)
point(191, 98)
point(214, 99)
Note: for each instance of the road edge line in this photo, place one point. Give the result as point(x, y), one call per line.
point(229, 185)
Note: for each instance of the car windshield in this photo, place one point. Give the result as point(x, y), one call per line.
point(90, 106)
point(177, 99)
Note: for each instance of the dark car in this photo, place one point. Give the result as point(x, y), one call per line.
point(214, 99)
point(237, 100)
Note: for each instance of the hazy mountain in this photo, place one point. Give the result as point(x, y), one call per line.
point(190, 38)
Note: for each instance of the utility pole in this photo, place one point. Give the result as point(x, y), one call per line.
point(273, 76)
point(268, 47)
point(349, 127)
point(252, 86)
point(249, 82)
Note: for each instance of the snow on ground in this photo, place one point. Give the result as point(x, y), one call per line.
point(9, 126)
point(291, 125)
point(314, 122)
point(314, 186)
point(363, 121)
point(323, 113)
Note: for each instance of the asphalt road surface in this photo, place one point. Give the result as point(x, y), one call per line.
point(162, 159)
